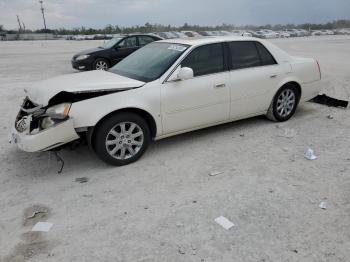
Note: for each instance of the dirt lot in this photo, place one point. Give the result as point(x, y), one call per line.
point(163, 207)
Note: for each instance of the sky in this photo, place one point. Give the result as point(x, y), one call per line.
point(98, 13)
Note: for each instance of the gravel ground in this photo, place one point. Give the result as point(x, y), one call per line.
point(162, 208)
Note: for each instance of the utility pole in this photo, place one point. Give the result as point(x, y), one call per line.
point(42, 11)
point(19, 24)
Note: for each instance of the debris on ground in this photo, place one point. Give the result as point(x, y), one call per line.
point(81, 180)
point(310, 154)
point(216, 173)
point(329, 101)
point(323, 205)
point(330, 117)
point(194, 250)
point(42, 227)
point(36, 213)
point(288, 133)
point(59, 160)
point(224, 222)
point(182, 250)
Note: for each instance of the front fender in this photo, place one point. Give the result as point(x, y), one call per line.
point(89, 112)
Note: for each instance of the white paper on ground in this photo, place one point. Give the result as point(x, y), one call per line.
point(42, 227)
point(309, 154)
point(224, 222)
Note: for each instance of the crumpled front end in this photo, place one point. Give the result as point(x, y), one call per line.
point(40, 128)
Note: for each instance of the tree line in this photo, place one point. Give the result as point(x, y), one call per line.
point(147, 28)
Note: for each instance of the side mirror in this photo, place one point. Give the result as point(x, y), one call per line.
point(185, 73)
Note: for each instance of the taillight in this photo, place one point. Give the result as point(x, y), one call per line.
point(319, 69)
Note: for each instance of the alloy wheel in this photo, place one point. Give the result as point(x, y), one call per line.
point(286, 103)
point(124, 140)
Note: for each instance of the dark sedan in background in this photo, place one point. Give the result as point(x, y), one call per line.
point(111, 52)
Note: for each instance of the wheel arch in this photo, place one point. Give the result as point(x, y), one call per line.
point(141, 112)
point(103, 57)
point(290, 82)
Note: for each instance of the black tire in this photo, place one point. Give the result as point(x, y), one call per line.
point(99, 62)
point(274, 113)
point(102, 135)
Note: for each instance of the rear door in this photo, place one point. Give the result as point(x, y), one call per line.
point(202, 100)
point(254, 77)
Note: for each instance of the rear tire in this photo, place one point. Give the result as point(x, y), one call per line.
point(284, 104)
point(121, 139)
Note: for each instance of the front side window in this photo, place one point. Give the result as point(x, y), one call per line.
point(149, 62)
point(204, 60)
point(128, 42)
point(244, 55)
point(111, 43)
point(145, 40)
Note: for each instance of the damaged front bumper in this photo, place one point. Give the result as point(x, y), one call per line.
point(47, 139)
point(29, 137)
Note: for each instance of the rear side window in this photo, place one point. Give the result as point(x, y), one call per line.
point(204, 60)
point(244, 55)
point(265, 55)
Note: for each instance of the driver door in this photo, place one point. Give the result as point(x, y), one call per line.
point(201, 101)
point(124, 48)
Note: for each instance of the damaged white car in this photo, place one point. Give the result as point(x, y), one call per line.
point(165, 88)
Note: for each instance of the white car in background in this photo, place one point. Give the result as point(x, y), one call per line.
point(166, 88)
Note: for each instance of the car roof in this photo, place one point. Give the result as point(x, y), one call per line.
point(195, 41)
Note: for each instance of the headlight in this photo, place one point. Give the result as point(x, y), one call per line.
point(82, 57)
point(55, 114)
point(61, 110)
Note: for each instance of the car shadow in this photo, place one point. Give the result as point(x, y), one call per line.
point(83, 159)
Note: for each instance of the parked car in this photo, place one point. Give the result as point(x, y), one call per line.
point(111, 52)
point(191, 33)
point(284, 34)
point(165, 88)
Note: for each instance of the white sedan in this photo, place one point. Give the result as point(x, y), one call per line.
point(165, 88)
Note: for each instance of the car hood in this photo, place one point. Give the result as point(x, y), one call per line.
point(89, 51)
point(86, 82)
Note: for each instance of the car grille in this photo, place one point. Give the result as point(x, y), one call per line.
point(29, 110)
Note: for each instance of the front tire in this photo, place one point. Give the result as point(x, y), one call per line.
point(284, 104)
point(121, 139)
point(101, 64)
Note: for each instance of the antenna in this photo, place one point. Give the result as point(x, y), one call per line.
point(42, 11)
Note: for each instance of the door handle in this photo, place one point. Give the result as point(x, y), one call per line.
point(273, 76)
point(220, 85)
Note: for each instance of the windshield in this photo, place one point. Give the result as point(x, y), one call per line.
point(111, 42)
point(149, 62)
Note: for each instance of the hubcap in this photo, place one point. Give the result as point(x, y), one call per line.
point(101, 65)
point(285, 103)
point(124, 140)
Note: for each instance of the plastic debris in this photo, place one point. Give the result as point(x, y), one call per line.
point(42, 227)
point(323, 205)
point(215, 173)
point(309, 154)
point(330, 101)
point(224, 222)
